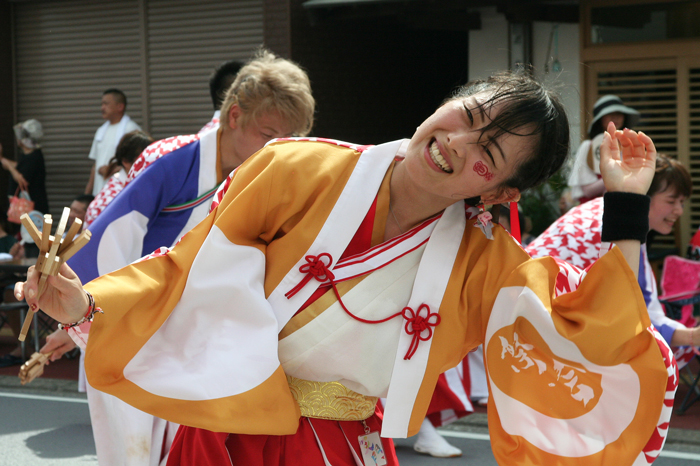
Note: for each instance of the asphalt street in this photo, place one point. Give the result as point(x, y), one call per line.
point(54, 430)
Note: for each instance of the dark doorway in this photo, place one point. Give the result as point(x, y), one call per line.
point(377, 72)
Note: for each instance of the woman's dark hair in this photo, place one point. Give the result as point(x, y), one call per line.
point(670, 173)
point(119, 96)
point(130, 146)
point(221, 79)
point(528, 109)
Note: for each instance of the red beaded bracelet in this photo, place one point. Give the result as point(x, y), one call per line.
point(89, 315)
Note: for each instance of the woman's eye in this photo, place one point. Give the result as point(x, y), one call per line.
point(267, 136)
point(469, 114)
point(488, 152)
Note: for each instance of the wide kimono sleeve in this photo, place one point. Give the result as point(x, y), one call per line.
point(188, 335)
point(576, 373)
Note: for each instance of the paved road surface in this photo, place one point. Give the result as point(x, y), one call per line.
point(55, 430)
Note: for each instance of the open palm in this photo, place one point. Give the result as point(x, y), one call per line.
point(627, 160)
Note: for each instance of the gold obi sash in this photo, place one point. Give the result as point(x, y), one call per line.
point(330, 400)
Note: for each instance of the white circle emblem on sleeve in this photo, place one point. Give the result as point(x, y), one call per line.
point(554, 397)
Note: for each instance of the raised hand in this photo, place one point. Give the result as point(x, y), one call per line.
point(628, 166)
point(64, 298)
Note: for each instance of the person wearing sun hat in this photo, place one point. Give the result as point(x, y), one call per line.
point(28, 172)
point(585, 180)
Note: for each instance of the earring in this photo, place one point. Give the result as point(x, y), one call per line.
point(483, 222)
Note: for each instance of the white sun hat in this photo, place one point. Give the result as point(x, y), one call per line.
point(610, 104)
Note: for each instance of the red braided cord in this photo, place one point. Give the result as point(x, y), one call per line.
point(416, 324)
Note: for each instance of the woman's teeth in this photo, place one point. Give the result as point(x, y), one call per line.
point(438, 159)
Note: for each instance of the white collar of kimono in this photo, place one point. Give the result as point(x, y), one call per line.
point(430, 284)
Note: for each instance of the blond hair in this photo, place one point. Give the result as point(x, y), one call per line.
point(269, 83)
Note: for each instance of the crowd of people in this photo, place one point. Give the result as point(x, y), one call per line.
point(251, 302)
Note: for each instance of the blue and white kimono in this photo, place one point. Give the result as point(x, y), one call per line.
point(155, 209)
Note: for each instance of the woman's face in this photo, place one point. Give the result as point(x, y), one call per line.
point(616, 117)
point(448, 157)
point(666, 207)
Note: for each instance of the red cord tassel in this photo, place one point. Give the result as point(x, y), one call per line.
point(514, 221)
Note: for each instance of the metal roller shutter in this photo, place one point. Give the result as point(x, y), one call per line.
point(186, 40)
point(159, 52)
point(67, 53)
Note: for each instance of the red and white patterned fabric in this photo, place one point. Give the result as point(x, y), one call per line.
point(683, 355)
point(574, 237)
point(156, 151)
point(656, 443)
point(115, 184)
point(213, 123)
point(219, 194)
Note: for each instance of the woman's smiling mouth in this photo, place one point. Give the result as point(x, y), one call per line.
point(437, 158)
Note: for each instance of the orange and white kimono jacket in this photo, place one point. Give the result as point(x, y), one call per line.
point(212, 331)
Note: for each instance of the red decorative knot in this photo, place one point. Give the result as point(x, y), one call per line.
point(419, 326)
point(315, 267)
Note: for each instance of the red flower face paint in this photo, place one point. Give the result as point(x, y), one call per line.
point(482, 170)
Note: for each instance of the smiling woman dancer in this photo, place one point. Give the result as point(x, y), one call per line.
point(331, 274)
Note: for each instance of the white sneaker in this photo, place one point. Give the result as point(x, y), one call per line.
point(430, 442)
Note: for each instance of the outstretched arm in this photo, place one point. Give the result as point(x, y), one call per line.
point(627, 163)
point(18, 177)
